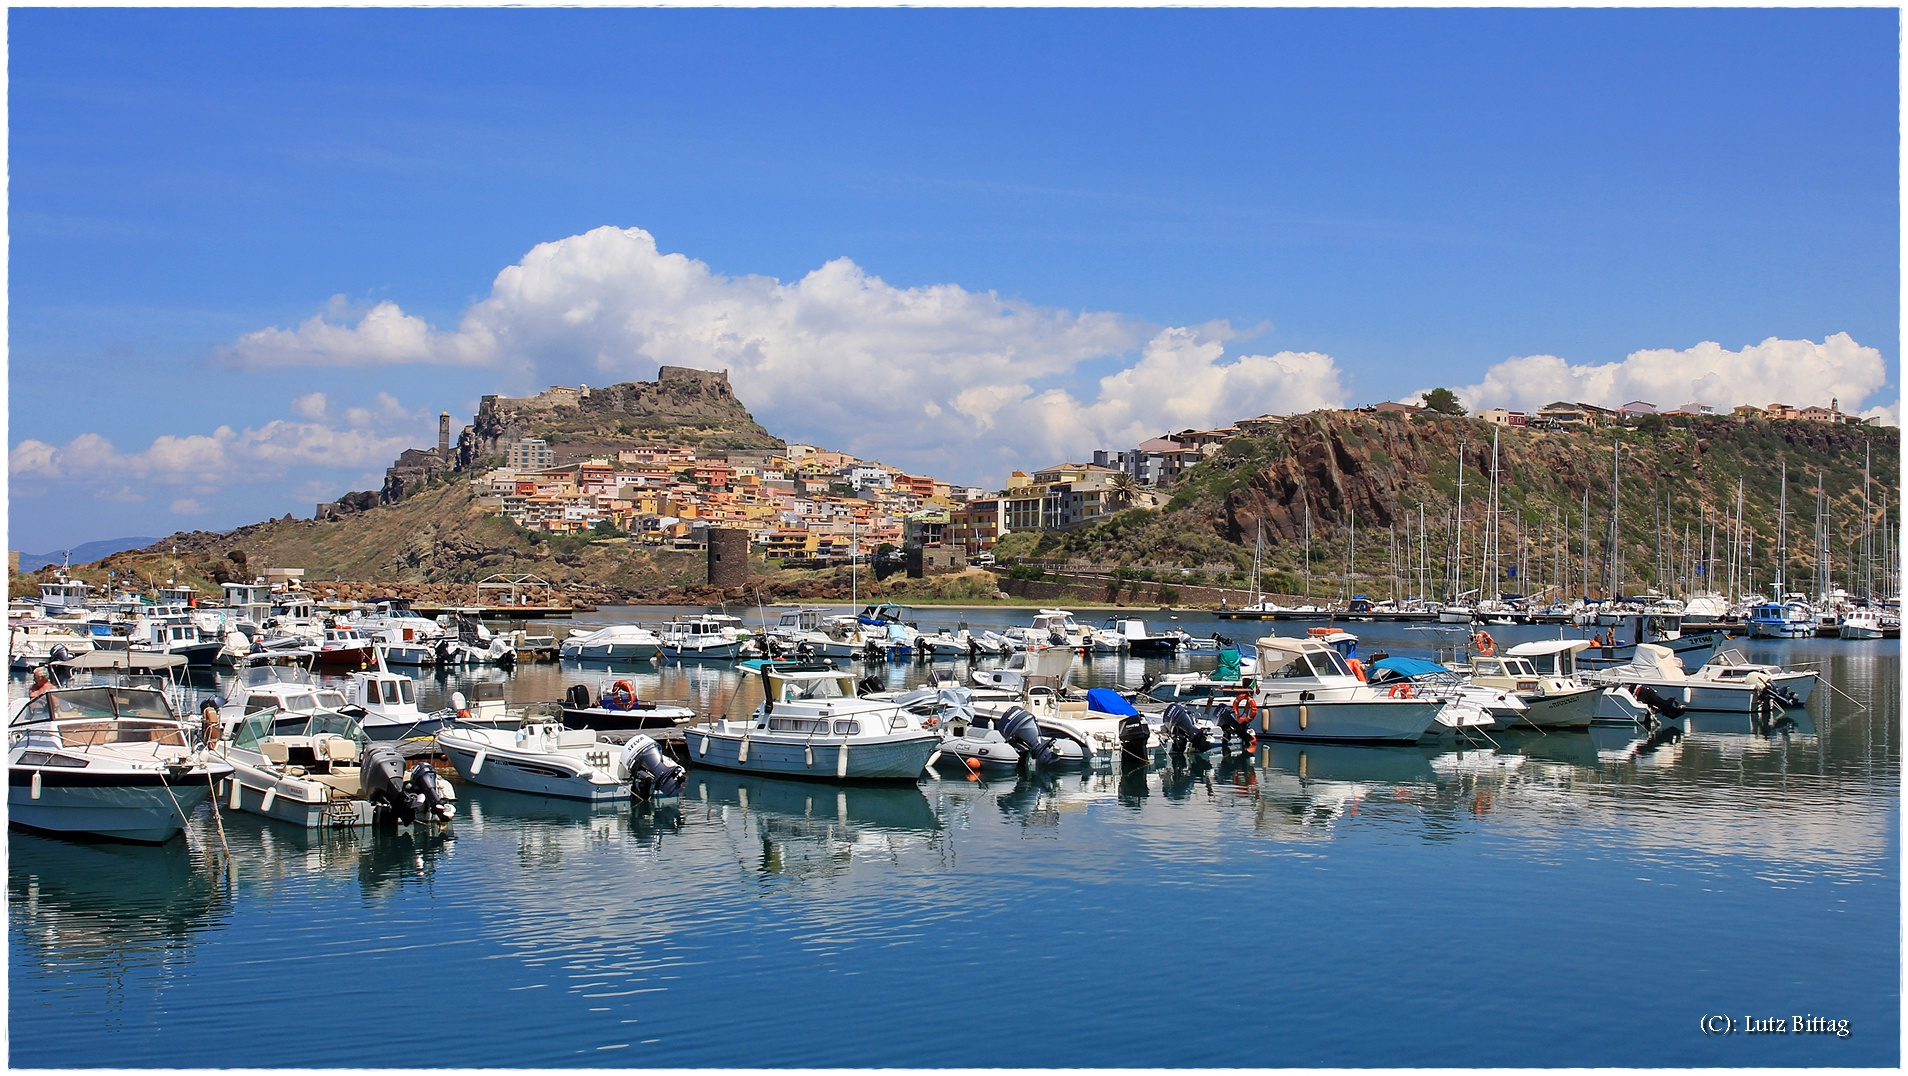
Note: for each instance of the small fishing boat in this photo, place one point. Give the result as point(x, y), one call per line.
point(619, 707)
point(813, 724)
point(1861, 624)
point(1791, 619)
point(1542, 675)
point(107, 762)
point(1138, 639)
point(347, 646)
point(544, 758)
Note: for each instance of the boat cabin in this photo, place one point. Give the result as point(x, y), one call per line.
point(292, 690)
point(1299, 659)
point(801, 620)
point(384, 693)
point(63, 593)
point(251, 601)
point(1508, 673)
point(886, 613)
point(1551, 657)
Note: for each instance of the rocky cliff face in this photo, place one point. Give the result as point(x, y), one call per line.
point(1383, 468)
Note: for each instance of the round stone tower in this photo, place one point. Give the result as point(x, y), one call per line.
point(728, 558)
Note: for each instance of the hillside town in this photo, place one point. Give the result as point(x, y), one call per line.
point(804, 503)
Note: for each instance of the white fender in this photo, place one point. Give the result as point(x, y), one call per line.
point(477, 764)
point(841, 760)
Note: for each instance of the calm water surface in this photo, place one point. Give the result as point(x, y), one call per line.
point(1570, 899)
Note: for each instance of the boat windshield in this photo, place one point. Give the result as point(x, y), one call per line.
point(829, 687)
point(330, 700)
point(96, 702)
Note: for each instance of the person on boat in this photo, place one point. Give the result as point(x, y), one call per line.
point(41, 683)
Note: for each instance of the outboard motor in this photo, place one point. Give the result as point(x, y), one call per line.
point(1782, 696)
point(1231, 724)
point(396, 798)
point(1019, 728)
point(578, 697)
point(1134, 736)
point(1177, 725)
point(1658, 702)
point(427, 794)
point(652, 775)
point(869, 684)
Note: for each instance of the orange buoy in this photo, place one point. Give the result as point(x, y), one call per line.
point(974, 764)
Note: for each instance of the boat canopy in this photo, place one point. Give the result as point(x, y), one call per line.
point(1107, 701)
point(1654, 661)
point(1411, 668)
point(139, 660)
point(1547, 647)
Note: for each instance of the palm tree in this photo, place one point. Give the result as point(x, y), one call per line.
point(1122, 489)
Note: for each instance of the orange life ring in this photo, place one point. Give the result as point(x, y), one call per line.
point(1357, 668)
point(1484, 643)
point(1245, 708)
point(623, 687)
point(1400, 691)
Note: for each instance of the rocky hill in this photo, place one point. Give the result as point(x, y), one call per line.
point(1382, 468)
point(682, 406)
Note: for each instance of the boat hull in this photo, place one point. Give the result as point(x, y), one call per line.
point(713, 652)
point(610, 651)
point(535, 773)
point(901, 758)
point(1560, 710)
point(1857, 631)
point(1727, 698)
point(304, 804)
point(1349, 721)
point(595, 717)
point(122, 807)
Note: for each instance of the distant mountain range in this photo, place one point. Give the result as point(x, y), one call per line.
point(83, 554)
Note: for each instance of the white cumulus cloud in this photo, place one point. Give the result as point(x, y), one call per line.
point(204, 463)
point(915, 376)
point(1797, 372)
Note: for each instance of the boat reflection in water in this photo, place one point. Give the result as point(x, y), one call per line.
point(385, 860)
point(112, 904)
point(808, 829)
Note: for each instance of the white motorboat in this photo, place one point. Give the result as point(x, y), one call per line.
point(543, 758)
point(171, 630)
point(318, 769)
point(1543, 676)
point(105, 761)
point(618, 642)
point(1728, 683)
point(812, 724)
point(1305, 691)
point(1034, 686)
point(1861, 624)
point(33, 643)
point(711, 636)
point(1456, 614)
point(949, 708)
point(1061, 629)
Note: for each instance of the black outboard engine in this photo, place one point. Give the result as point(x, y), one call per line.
point(869, 684)
point(1782, 696)
point(395, 798)
point(1134, 736)
point(652, 775)
point(578, 697)
point(1177, 725)
point(421, 787)
point(1231, 724)
point(1658, 702)
point(1019, 728)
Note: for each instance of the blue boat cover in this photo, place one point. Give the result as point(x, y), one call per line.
point(1409, 667)
point(1108, 701)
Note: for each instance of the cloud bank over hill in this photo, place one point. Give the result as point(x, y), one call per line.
point(1797, 372)
point(936, 376)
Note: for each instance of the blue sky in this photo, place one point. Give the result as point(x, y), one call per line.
point(1182, 216)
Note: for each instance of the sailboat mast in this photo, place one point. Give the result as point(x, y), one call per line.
point(1457, 572)
point(1782, 532)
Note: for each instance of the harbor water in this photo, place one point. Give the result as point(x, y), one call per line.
point(1581, 899)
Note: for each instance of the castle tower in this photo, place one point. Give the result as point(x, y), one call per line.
point(443, 434)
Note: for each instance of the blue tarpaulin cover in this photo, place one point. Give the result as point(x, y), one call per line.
point(1108, 701)
point(1410, 666)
